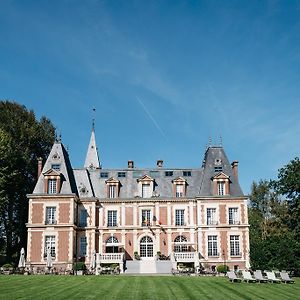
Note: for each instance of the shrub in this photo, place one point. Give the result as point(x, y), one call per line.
point(7, 266)
point(79, 266)
point(222, 269)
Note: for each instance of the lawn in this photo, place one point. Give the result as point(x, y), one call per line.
point(139, 287)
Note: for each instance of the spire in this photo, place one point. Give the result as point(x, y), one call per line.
point(92, 159)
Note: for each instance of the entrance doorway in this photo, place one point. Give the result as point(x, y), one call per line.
point(146, 248)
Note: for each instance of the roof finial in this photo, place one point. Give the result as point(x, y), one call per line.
point(93, 120)
point(209, 142)
point(221, 141)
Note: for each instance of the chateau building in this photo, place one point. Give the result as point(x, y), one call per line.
point(134, 216)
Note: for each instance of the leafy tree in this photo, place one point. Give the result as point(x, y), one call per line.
point(22, 140)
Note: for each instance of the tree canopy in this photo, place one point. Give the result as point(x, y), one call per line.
point(23, 139)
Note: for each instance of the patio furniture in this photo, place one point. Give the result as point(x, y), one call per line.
point(248, 277)
point(259, 276)
point(232, 277)
point(271, 277)
point(286, 278)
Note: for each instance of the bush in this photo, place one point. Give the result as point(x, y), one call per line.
point(222, 269)
point(7, 266)
point(79, 266)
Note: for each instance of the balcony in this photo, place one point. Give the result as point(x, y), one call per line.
point(110, 258)
point(185, 256)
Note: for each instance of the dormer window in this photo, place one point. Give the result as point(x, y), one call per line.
point(55, 167)
point(52, 186)
point(113, 188)
point(52, 181)
point(146, 186)
point(179, 187)
point(221, 184)
point(146, 192)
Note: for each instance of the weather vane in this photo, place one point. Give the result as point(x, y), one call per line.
point(93, 120)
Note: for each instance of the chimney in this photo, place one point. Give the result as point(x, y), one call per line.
point(234, 166)
point(40, 166)
point(159, 163)
point(130, 164)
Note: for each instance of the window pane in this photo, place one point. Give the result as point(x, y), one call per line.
point(83, 246)
point(83, 218)
point(51, 186)
point(112, 218)
point(50, 215)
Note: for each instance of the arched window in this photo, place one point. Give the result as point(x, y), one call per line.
point(112, 240)
point(180, 244)
point(146, 247)
point(112, 245)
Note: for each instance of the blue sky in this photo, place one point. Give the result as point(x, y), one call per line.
point(164, 76)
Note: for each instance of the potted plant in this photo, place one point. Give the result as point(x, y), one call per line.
point(158, 255)
point(79, 268)
point(7, 269)
point(222, 269)
point(136, 255)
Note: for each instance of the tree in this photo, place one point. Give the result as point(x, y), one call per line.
point(23, 139)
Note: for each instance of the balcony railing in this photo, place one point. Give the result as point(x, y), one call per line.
point(110, 257)
point(185, 256)
point(50, 222)
point(234, 222)
point(212, 222)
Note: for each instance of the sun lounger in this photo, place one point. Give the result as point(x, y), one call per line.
point(232, 277)
point(259, 277)
point(248, 277)
point(286, 278)
point(271, 277)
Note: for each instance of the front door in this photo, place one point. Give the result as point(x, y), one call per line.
point(146, 248)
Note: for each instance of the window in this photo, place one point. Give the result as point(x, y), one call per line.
point(146, 247)
point(187, 173)
point(211, 216)
point(50, 244)
point(212, 245)
point(169, 173)
point(146, 217)
point(221, 188)
point(83, 246)
point(103, 175)
point(146, 192)
point(112, 218)
point(179, 217)
point(83, 218)
point(51, 215)
point(235, 245)
point(218, 169)
point(51, 186)
point(233, 215)
point(112, 245)
point(179, 190)
point(180, 244)
point(121, 174)
point(112, 191)
point(55, 167)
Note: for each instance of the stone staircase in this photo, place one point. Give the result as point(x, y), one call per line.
point(148, 267)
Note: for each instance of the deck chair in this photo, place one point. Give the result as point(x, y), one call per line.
point(232, 277)
point(259, 277)
point(248, 277)
point(286, 278)
point(271, 277)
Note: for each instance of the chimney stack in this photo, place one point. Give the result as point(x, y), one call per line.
point(40, 166)
point(234, 166)
point(130, 164)
point(159, 163)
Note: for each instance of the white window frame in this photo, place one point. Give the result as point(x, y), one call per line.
point(52, 186)
point(221, 188)
point(50, 242)
point(235, 245)
point(50, 215)
point(179, 217)
point(112, 218)
point(211, 216)
point(146, 217)
point(212, 245)
point(146, 190)
point(112, 191)
point(233, 216)
point(179, 190)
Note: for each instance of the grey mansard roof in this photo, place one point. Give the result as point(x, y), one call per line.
point(90, 182)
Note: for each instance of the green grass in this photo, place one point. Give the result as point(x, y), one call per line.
point(139, 287)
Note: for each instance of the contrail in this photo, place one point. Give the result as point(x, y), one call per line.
point(151, 117)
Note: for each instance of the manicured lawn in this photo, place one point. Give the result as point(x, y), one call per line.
point(139, 287)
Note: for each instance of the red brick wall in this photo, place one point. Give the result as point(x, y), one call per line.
point(163, 243)
point(129, 216)
point(163, 215)
point(242, 213)
point(63, 242)
point(223, 245)
point(222, 208)
point(64, 212)
point(36, 246)
point(129, 245)
point(37, 213)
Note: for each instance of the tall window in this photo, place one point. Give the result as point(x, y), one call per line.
point(146, 217)
point(233, 215)
point(83, 246)
point(179, 190)
point(52, 186)
point(179, 217)
point(235, 245)
point(112, 218)
point(180, 244)
point(83, 218)
point(212, 245)
point(146, 191)
point(50, 244)
point(51, 215)
point(221, 188)
point(211, 216)
point(146, 247)
point(112, 191)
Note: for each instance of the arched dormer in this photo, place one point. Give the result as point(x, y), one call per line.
point(221, 184)
point(179, 187)
point(146, 186)
point(113, 187)
point(52, 182)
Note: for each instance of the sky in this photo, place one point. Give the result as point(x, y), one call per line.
point(165, 77)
